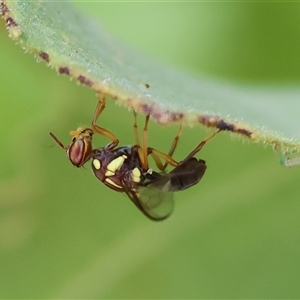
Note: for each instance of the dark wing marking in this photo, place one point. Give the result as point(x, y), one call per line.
point(185, 175)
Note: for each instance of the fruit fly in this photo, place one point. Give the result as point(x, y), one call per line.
point(126, 169)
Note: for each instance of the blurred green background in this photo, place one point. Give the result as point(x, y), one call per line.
point(236, 234)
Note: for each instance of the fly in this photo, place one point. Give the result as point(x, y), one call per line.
point(126, 169)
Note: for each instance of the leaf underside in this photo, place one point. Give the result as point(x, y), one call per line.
point(76, 46)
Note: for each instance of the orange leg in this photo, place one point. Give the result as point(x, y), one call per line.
point(157, 155)
point(144, 151)
point(173, 147)
point(145, 143)
point(135, 129)
point(200, 145)
point(102, 131)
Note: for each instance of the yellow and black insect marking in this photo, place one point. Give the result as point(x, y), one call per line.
point(136, 175)
point(111, 182)
point(96, 164)
point(115, 165)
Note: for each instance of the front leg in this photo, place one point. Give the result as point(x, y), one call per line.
point(102, 131)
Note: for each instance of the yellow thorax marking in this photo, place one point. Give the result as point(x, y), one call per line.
point(115, 165)
point(136, 175)
point(97, 164)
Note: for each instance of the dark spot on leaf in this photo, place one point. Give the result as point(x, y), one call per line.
point(44, 56)
point(146, 109)
point(3, 8)
point(176, 116)
point(163, 117)
point(147, 85)
point(159, 115)
point(244, 132)
point(85, 80)
point(10, 22)
point(222, 125)
point(209, 121)
point(64, 70)
point(156, 115)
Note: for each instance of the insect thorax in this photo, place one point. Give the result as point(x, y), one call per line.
point(120, 169)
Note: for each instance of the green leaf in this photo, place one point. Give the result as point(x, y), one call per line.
point(75, 45)
point(64, 235)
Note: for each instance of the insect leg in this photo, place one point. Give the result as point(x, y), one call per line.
point(58, 142)
point(200, 145)
point(104, 132)
point(135, 129)
point(145, 151)
point(173, 147)
point(145, 143)
point(157, 155)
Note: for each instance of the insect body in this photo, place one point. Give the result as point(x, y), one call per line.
point(121, 170)
point(114, 167)
point(126, 169)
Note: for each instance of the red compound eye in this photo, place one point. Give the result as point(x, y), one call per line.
point(76, 153)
